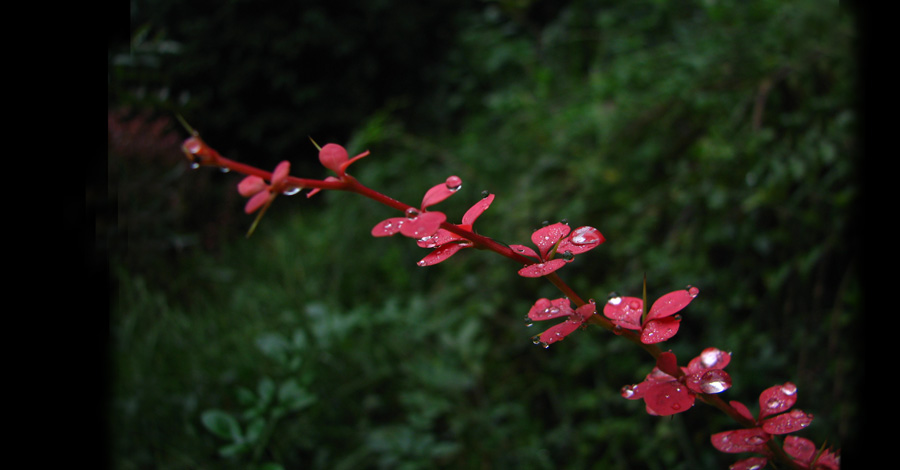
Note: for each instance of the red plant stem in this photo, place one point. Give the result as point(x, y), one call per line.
point(351, 184)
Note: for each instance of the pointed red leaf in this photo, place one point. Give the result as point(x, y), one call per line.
point(476, 210)
point(753, 463)
point(545, 309)
point(441, 253)
point(546, 237)
point(423, 225)
point(442, 191)
point(668, 363)
point(740, 440)
point(777, 399)
point(710, 358)
point(657, 331)
point(672, 303)
point(581, 239)
point(668, 398)
point(542, 269)
point(789, 422)
point(559, 331)
point(388, 227)
point(800, 448)
point(624, 311)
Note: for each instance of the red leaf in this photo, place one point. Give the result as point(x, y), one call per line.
point(388, 227)
point(559, 331)
point(777, 399)
point(542, 269)
point(800, 448)
point(668, 363)
point(753, 463)
point(710, 358)
point(741, 409)
point(581, 239)
point(740, 440)
point(441, 254)
point(672, 303)
point(424, 225)
point(624, 311)
point(668, 398)
point(545, 309)
point(789, 422)
point(476, 210)
point(442, 191)
point(546, 237)
point(657, 331)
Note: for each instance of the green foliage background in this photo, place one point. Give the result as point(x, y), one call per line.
point(713, 144)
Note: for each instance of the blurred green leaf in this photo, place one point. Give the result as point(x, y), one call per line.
point(222, 424)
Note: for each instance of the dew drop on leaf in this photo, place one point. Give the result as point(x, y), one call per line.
point(453, 183)
point(586, 236)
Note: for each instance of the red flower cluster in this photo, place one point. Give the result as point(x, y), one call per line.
point(557, 239)
point(545, 309)
point(774, 418)
point(660, 324)
point(420, 223)
point(669, 389)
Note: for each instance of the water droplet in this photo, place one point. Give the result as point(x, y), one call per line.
point(715, 381)
point(614, 298)
point(485, 194)
point(568, 256)
point(291, 190)
point(692, 291)
point(195, 165)
point(710, 357)
point(628, 391)
point(788, 389)
point(412, 213)
point(422, 263)
point(528, 322)
point(224, 169)
point(453, 183)
point(586, 236)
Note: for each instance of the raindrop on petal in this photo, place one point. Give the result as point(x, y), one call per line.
point(453, 183)
point(586, 236)
point(715, 381)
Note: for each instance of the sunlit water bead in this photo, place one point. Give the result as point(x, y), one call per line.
point(586, 236)
point(412, 213)
point(453, 183)
point(528, 321)
point(627, 391)
point(536, 339)
point(693, 291)
point(614, 298)
point(789, 389)
point(710, 357)
point(291, 190)
point(715, 381)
